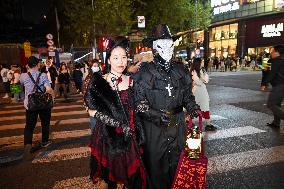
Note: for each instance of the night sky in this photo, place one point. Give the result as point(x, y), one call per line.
point(35, 9)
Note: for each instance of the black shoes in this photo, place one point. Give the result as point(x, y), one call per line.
point(273, 125)
point(46, 144)
point(210, 128)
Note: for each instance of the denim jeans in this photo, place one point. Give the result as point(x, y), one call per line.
point(93, 122)
point(31, 120)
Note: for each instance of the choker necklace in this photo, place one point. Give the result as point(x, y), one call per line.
point(117, 78)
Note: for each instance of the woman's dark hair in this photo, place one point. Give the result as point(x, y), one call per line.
point(61, 66)
point(118, 41)
point(196, 65)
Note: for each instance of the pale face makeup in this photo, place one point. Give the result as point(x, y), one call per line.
point(118, 60)
point(165, 48)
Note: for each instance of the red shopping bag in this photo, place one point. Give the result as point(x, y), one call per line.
point(191, 173)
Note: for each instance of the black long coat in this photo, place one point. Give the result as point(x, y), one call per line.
point(163, 143)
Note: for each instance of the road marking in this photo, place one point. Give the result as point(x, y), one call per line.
point(60, 155)
point(266, 104)
point(216, 165)
point(232, 132)
point(75, 183)
point(16, 141)
point(247, 159)
point(54, 108)
point(55, 114)
point(52, 123)
point(217, 117)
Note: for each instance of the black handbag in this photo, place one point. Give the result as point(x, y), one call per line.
point(38, 99)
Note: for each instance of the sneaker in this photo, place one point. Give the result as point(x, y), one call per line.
point(273, 125)
point(210, 128)
point(46, 144)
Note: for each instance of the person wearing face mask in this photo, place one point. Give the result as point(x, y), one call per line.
point(96, 67)
point(162, 90)
point(50, 71)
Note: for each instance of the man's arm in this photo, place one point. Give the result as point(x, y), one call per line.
point(274, 69)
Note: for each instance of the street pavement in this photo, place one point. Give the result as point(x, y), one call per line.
point(243, 153)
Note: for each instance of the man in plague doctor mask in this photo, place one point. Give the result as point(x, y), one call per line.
point(162, 90)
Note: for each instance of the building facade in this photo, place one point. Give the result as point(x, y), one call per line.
point(244, 27)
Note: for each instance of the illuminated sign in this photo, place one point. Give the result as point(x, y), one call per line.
point(279, 4)
point(272, 30)
point(222, 6)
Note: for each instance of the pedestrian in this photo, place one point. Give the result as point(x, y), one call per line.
point(15, 86)
point(276, 79)
point(200, 78)
point(31, 116)
point(78, 78)
point(95, 68)
point(109, 98)
point(6, 82)
point(162, 90)
point(50, 71)
point(63, 80)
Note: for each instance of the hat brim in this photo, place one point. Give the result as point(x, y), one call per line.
point(148, 42)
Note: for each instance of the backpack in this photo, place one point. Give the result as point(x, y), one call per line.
point(38, 99)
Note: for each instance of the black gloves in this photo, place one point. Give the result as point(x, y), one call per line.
point(127, 131)
point(194, 113)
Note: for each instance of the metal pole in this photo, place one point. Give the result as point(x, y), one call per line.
point(95, 42)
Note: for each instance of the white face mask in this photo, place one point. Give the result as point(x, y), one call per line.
point(165, 48)
point(95, 69)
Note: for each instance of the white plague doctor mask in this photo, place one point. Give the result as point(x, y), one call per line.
point(165, 48)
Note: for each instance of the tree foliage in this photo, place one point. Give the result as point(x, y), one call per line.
point(118, 17)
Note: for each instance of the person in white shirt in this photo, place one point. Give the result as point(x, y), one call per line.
point(6, 82)
point(200, 78)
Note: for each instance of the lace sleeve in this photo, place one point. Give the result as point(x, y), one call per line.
point(107, 119)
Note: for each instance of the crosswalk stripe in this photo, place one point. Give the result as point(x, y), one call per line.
point(21, 105)
point(54, 108)
point(217, 117)
point(216, 165)
point(52, 123)
point(227, 133)
point(54, 114)
point(243, 160)
point(16, 141)
point(232, 132)
point(59, 155)
point(75, 183)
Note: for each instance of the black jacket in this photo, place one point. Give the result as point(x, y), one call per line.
point(52, 71)
point(276, 75)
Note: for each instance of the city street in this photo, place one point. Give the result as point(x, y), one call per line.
point(243, 153)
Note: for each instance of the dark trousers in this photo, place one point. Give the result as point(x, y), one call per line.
point(31, 120)
point(274, 103)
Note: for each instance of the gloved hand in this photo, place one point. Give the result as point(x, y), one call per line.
point(127, 131)
point(194, 113)
point(165, 119)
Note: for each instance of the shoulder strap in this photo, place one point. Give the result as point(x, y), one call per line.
point(35, 82)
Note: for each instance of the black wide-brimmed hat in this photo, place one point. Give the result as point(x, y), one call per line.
point(160, 31)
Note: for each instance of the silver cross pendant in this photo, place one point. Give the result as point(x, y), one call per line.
point(169, 88)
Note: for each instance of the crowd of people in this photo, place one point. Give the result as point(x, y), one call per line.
point(137, 113)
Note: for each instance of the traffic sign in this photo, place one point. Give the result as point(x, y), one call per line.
point(50, 42)
point(27, 49)
point(52, 53)
point(49, 36)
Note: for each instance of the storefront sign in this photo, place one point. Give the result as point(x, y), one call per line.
point(222, 6)
point(272, 30)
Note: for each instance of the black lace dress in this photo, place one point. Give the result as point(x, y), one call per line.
point(113, 156)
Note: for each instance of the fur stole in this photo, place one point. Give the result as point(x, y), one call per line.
point(100, 96)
